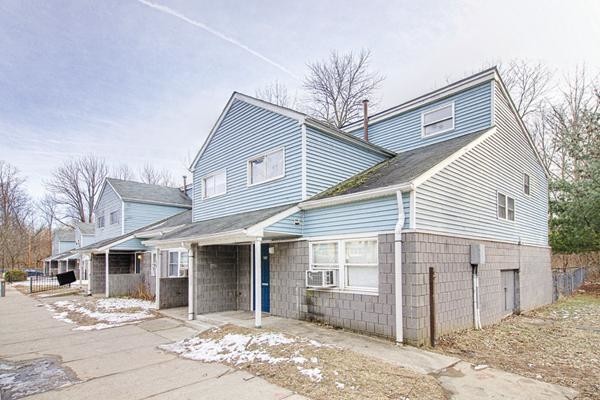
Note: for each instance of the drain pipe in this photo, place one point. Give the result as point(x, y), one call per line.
point(477, 259)
point(398, 268)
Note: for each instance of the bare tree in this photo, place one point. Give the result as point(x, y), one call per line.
point(277, 93)
point(75, 186)
point(337, 86)
point(123, 172)
point(153, 176)
point(527, 83)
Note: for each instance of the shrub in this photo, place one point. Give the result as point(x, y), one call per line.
point(15, 275)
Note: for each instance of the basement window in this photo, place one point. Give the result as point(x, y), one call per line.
point(437, 120)
point(214, 184)
point(506, 207)
point(266, 167)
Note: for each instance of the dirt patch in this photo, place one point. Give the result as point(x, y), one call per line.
point(558, 344)
point(313, 369)
point(21, 379)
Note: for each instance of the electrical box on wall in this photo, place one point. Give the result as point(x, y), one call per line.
point(477, 254)
point(271, 250)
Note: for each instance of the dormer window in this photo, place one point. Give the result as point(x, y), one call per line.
point(438, 120)
point(214, 184)
point(266, 167)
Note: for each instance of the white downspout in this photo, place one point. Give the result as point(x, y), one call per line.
point(398, 268)
point(106, 265)
point(157, 273)
point(191, 283)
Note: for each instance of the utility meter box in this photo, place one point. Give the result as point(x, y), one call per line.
point(477, 254)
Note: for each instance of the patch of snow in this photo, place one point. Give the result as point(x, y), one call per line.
point(339, 385)
point(313, 373)
point(115, 303)
point(480, 367)
point(314, 360)
point(298, 360)
point(315, 343)
point(272, 339)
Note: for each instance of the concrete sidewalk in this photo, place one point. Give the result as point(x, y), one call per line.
point(122, 362)
point(459, 378)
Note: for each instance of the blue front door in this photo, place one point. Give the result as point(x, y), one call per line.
point(264, 280)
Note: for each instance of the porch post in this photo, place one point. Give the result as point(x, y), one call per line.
point(257, 283)
point(157, 274)
point(90, 269)
point(106, 265)
point(191, 283)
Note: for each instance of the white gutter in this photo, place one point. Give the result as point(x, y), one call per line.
point(352, 197)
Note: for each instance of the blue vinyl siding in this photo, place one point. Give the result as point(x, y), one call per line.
point(138, 215)
point(286, 225)
point(108, 203)
point(247, 131)
point(374, 215)
point(461, 199)
point(331, 161)
point(65, 246)
point(131, 244)
point(472, 112)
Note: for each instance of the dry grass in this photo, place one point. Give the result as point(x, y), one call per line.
point(558, 344)
point(345, 374)
point(142, 292)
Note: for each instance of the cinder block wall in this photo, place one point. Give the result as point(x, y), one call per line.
point(173, 292)
point(123, 284)
point(146, 274)
point(216, 275)
point(450, 258)
point(244, 286)
point(373, 314)
point(118, 264)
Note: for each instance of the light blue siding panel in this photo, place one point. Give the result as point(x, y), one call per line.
point(287, 225)
point(461, 199)
point(66, 246)
point(247, 131)
point(375, 215)
point(108, 203)
point(472, 112)
point(331, 161)
point(131, 244)
point(138, 215)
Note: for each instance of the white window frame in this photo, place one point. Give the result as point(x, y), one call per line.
point(249, 182)
point(423, 135)
point(180, 267)
point(213, 174)
point(526, 184)
point(101, 223)
point(117, 218)
point(153, 263)
point(341, 265)
point(506, 197)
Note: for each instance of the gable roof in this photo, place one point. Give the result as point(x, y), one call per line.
point(407, 167)
point(173, 221)
point(302, 118)
point(145, 193)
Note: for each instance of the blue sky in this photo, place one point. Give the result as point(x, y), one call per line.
point(135, 84)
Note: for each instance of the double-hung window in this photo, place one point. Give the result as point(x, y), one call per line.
point(526, 185)
point(506, 207)
point(266, 167)
point(115, 217)
point(437, 120)
point(355, 262)
point(100, 221)
point(178, 262)
point(214, 184)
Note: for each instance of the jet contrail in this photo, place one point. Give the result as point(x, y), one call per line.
point(218, 34)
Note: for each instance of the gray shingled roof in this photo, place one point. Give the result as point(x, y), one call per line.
point(143, 192)
point(64, 235)
point(170, 222)
point(86, 228)
point(228, 223)
point(402, 168)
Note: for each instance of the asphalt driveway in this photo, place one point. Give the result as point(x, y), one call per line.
point(116, 363)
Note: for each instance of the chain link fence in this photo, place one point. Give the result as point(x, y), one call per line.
point(567, 280)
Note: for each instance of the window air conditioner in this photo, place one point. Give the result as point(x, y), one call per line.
point(320, 278)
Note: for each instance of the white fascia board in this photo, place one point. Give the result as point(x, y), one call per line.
point(156, 232)
point(196, 239)
point(257, 229)
point(347, 137)
point(455, 156)
point(250, 100)
point(431, 97)
point(352, 197)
